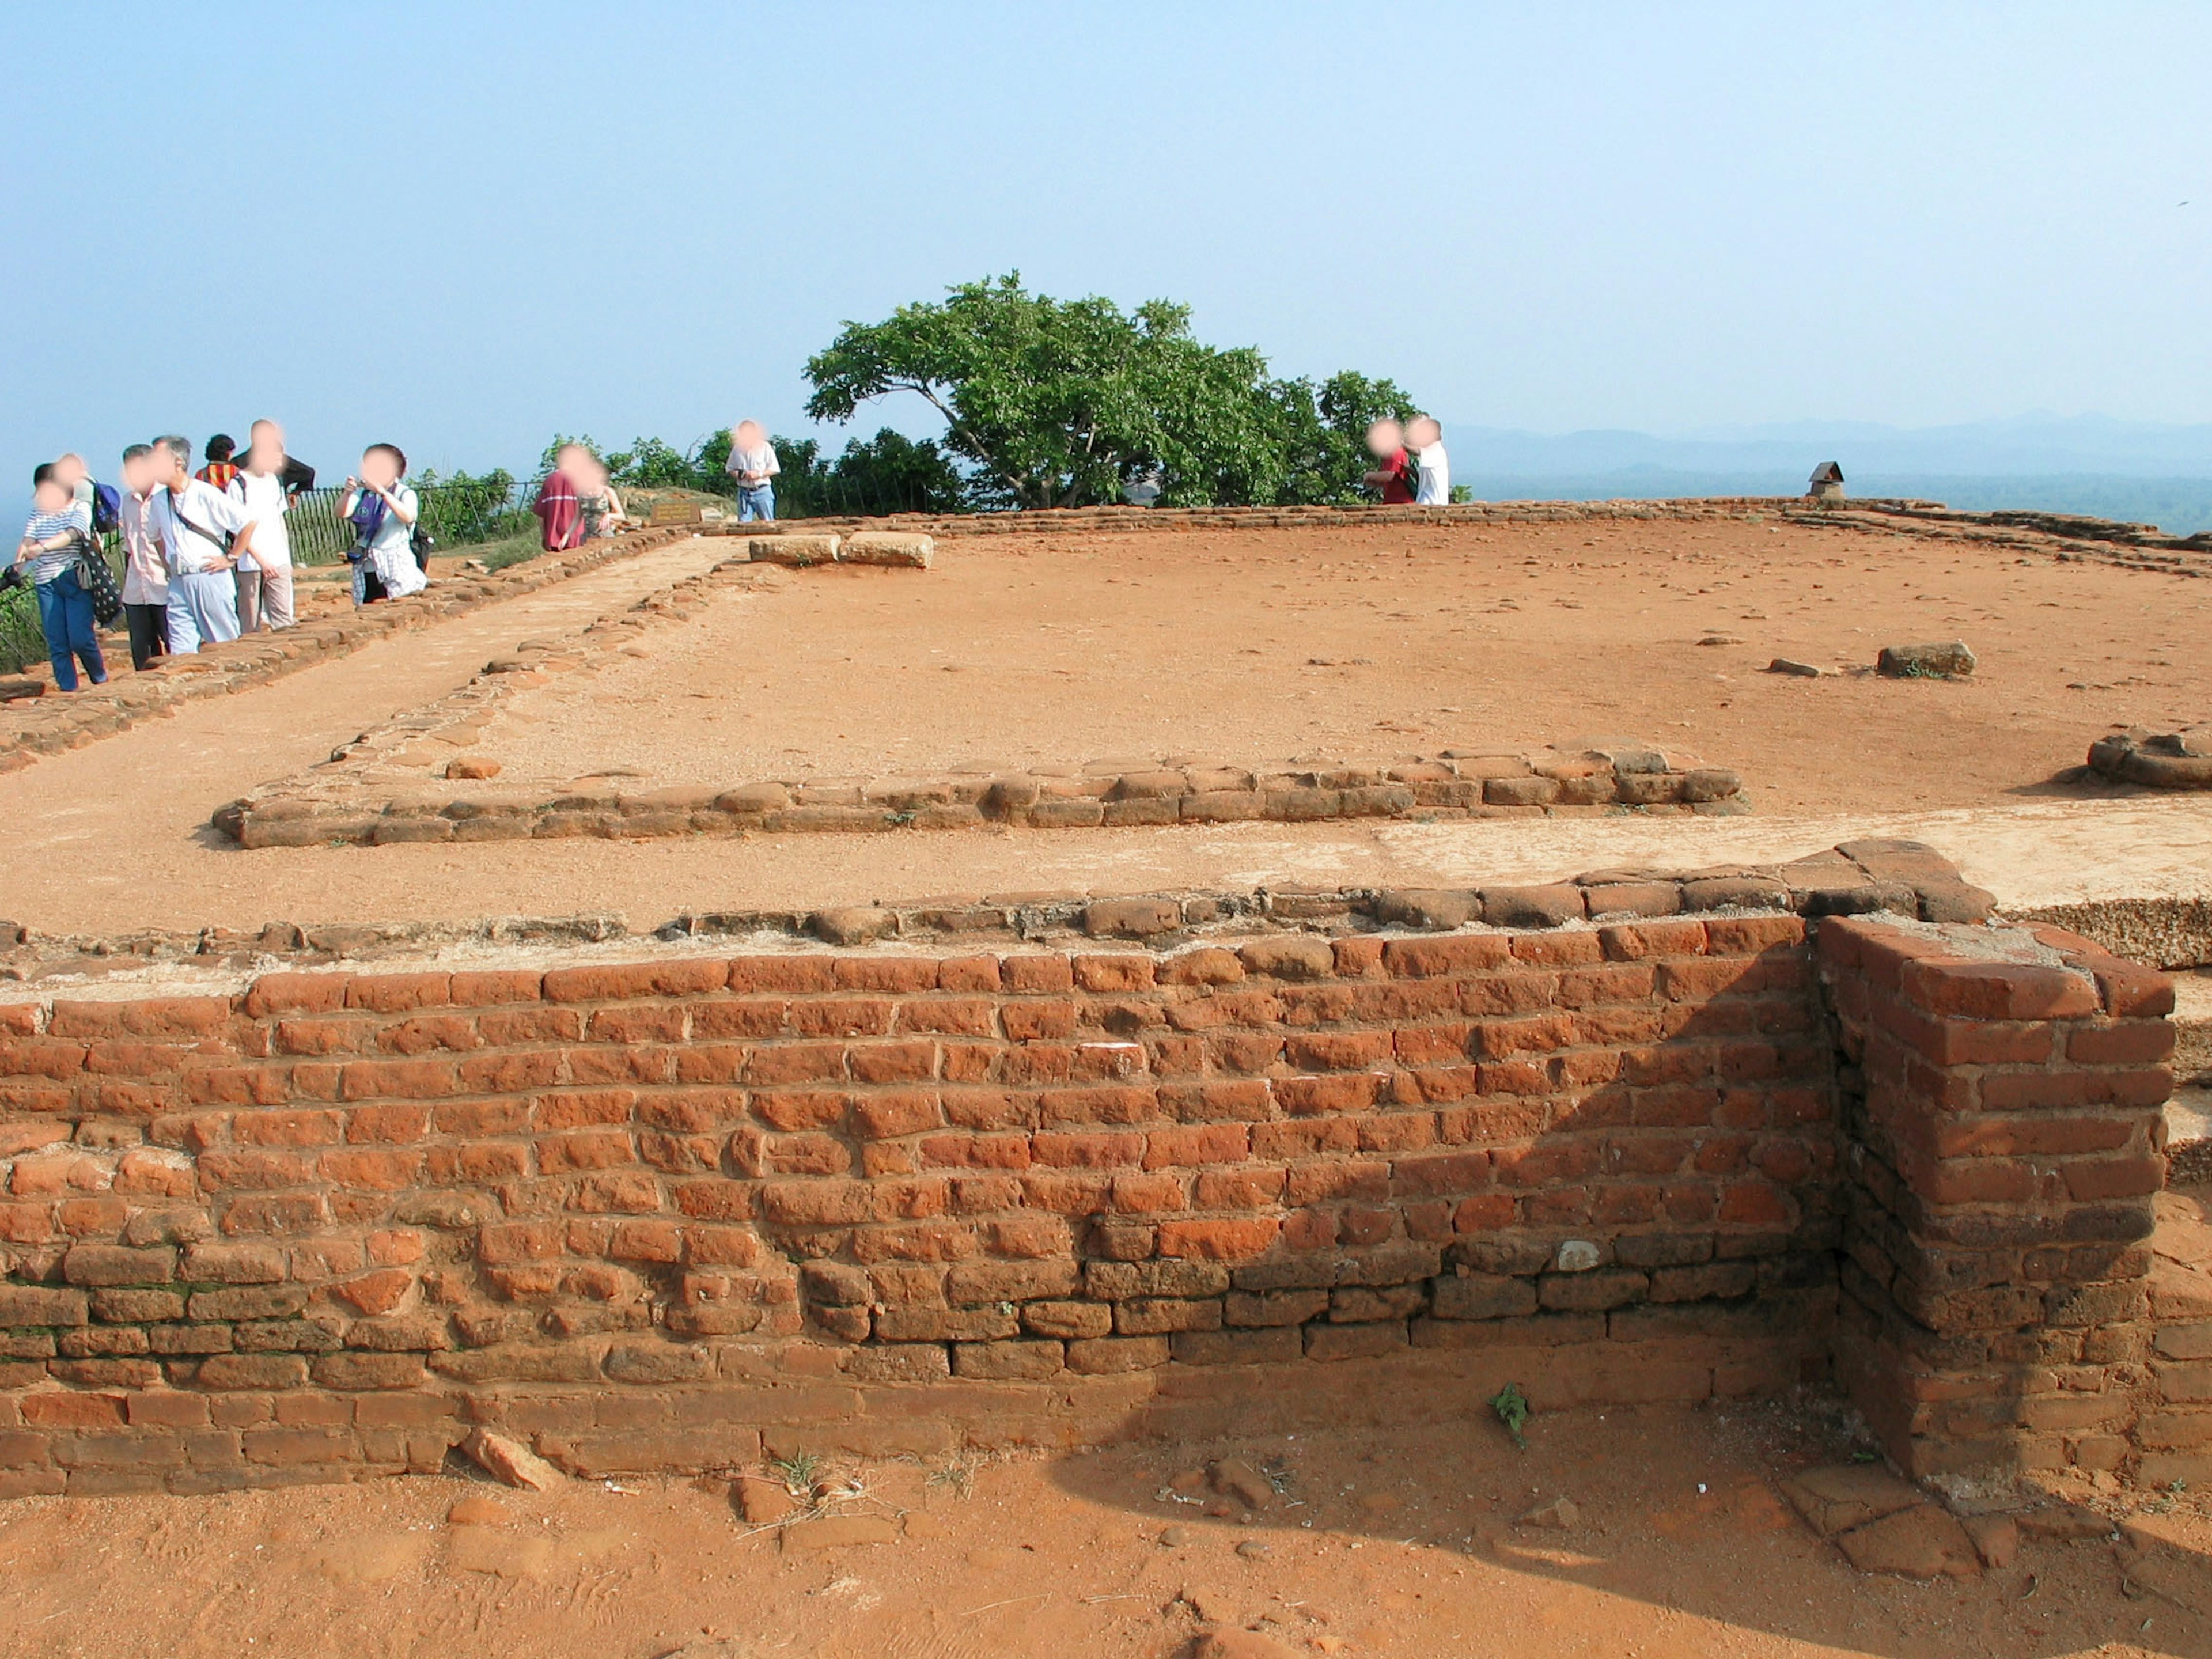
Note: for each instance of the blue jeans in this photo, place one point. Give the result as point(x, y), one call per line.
point(758, 503)
point(65, 613)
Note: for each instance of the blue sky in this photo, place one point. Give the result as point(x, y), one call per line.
point(462, 227)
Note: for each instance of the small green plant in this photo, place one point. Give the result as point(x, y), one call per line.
point(1512, 1408)
point(798, 1472)
point(955, 1474)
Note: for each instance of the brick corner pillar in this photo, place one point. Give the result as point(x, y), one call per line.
point(2003, 1146)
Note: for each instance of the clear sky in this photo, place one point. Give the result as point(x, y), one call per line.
point(464, 226)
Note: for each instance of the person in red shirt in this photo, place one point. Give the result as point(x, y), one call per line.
point(559, 508)
point(219, 471)
point(1393, 474)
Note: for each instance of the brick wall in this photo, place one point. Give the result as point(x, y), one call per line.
point(660, 1215)
point(2005, 1144)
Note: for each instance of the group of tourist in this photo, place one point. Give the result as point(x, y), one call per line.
point(206, 555)
point(576, 499)
point(1412, 468)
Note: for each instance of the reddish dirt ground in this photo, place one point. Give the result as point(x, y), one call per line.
point(1401, 1542)
point(1253, 645)
point(114, 836)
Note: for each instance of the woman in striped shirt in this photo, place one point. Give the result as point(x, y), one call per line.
point(60, 525)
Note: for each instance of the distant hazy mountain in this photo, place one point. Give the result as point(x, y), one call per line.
point(2133, 471)
point(2029, 444)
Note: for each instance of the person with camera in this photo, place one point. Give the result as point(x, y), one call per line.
point(59, 530)
point(202, 533)
point(384, 511)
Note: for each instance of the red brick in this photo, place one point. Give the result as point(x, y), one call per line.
point(388, 993)
point(1218, 1240)
point(1114, 973)
point(407, 1079)
point(1155, 1194)
point(795, 975)
point(1087, 1152)
point(1218, 1143)
point(308, 1129)
point(379, 1171)
point(796, 1062)
point(296, 994)
point(594, 1149)
point(2130, 990)
point(2089, 1180)
point(817, 1203)
point(1432, 958)
point(1996, 990)
point(2031, 1137)
point(1340, 1051)
point(1639, 941)
point(2137, 1086)
point(495, 987)
point(1030, 974)
point(841, 1017)
point(2133, 1042)
point(388, 1123)
point(1245, 1188)
point(1314, 1096)
point(1562, 950)
point(1977, 1181)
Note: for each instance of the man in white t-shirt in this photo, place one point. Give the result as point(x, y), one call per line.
point(264, 578)
point(1426, 440)
point(752, 462)
point(202, 533)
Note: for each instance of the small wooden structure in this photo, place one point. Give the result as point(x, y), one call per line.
point(1827, 484)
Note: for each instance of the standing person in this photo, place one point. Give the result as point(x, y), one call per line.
point(559, 506)
point(59, 530)
point(145, 578)
point(265, 576)
point(219, 470)
point(383, 510)
point(1395, 474)
point(202, 532)
point(1426, 440)
point(752, 462)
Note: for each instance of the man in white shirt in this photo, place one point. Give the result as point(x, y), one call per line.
point(145, 577)
point(1426, 440)
point(752, 462)
point(264, 577)
point(202, 533)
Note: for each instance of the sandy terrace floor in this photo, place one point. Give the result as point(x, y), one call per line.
point(113, 837)
point(1254, 646)
point(1403, 1544)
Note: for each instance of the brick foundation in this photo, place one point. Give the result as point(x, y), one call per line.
point(665, 1214)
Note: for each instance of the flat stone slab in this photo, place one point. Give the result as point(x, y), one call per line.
point(1924, 1541)
point(1843, 1496)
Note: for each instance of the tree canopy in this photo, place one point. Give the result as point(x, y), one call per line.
point(1053, 403)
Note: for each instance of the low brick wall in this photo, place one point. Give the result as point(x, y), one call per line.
point(671, 1214)
point(329, 1223)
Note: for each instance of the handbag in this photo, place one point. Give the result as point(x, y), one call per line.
point(97, 581)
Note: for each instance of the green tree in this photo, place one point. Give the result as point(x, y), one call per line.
point(1055, 402)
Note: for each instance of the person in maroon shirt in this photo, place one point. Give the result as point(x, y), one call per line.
point(559, 510)
point(1394, 475)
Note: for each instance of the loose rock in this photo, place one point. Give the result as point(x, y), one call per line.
point(511, 1462)
point(1560, 1514)
point(763, 1502)
point(1232, 1477)
point(1949, 660)
point(1803, 671)
point(1997, 1537)
point(1846, 1495)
